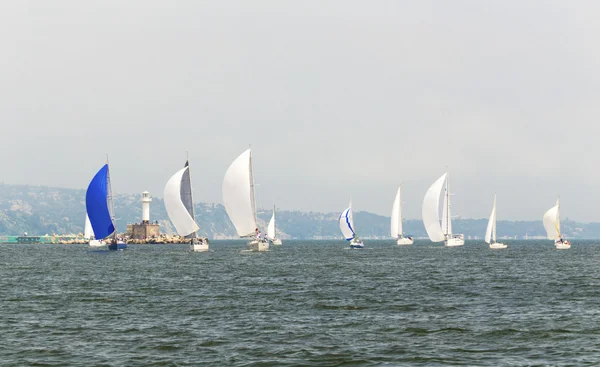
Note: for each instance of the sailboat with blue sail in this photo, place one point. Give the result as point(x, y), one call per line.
point(347, 228)
point(100, 210)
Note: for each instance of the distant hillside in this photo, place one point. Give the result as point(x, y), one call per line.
point(40, 210)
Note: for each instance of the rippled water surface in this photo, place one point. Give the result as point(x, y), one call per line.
point(310, 303)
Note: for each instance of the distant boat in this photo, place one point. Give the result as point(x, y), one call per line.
point(99, 206)
point(347, 228)
point(179, 204)
point(430, 212)
point(240, 202)
point(396, 222)
point(271, 232)
point(490, 232)
point(552, 225)
point(88, 234)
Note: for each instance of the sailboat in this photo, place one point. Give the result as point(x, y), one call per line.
point(239, 201)
point(100, 210)
point(430, 212)
point(347, 228)
point(490, 232)
point(396, 222)
point(88, 234)
point(271, 233)
point(552, 225)
point(180, 208)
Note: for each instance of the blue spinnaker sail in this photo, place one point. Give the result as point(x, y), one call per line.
point(97, 205)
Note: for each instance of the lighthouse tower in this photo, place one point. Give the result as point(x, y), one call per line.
point(146, 200)
point(144, 230)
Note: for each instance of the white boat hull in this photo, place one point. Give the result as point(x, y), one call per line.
point(456, 240)
point(357, 244)
point(97, 243)
point(276, 241)
point(199, 247)
point(562, 245)
point(403, 241)
point(258, 246)
point(498, 245)
point(199, 244)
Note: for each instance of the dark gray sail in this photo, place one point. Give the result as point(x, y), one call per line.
point(186, 195)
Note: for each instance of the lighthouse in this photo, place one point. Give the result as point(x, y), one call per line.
point(146, 200)
point(144, 230)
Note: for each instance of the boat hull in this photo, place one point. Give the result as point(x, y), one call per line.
point(97, 243)
point(276, 242)
point(498, 245)
point(120, 245)
point(199, 247)
point(258, 246)
point(357, 244)
point(403, 241)
point(562, 245)
point(456, 240)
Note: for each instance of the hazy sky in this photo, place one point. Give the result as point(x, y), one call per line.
point(339, 99)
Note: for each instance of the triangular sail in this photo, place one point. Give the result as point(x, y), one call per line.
point(175, 197)
point(238, 195)
point(98, 203)
point(186, 190)
point(430, 210)
point(87, 229)
point(347, 224)
point(552, 222)
point(271, 226)
point(395, 223)
point(490, 232)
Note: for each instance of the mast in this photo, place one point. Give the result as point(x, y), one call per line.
point(448, 206)
point(558, 217)
point(274, 223)
point(252, 195)
point(109, 200)
point(193, 235)
point(400, 229)
point(494, 224)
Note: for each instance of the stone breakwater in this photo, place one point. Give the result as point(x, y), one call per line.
point(158, 239)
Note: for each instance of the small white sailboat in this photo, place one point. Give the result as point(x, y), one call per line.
point(430, 212)
point(490, 232)
point(88, 234)
point(271, 230)
point(347, 228)
point(179, 204)
point(239, 201)
point(396, 221)
point(552, 225)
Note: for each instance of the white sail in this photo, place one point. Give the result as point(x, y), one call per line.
point(552, 222)
point(178, 213)
point(400, 229)
point(88, 232)
point(271, 226)
point(430, 210)
point(238, 195)
point(396, 221)
point(445, 214)
point(490, 232)
point(347, 224)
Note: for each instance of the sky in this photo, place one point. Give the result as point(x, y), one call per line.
point(340, 100)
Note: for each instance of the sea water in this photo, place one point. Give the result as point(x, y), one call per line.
point(306, 303)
